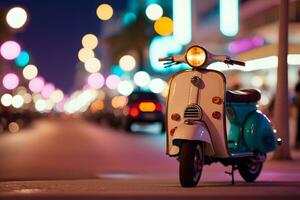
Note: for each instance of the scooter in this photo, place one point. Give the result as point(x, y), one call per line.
point(196, 111)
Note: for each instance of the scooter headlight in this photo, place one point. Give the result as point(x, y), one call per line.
point(195, 56)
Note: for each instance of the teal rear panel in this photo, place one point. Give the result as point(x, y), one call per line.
point(258, 133)
point(237, 112)
point(236, 143)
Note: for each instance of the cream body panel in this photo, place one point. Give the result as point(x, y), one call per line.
point(182, 93)
point(195, 132)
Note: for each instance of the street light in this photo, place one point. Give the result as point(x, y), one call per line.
point(154, 12)
point(30, 72)
point(127, 63)
point(89, 41)
point(163, 26)
point(10, 81)
point(16, 17)
point(36, 85)
point(104, 12)
point(10, 50)
point(92, 65)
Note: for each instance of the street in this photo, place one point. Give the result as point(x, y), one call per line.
point(73, 159)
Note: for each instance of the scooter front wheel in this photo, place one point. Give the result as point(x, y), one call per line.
point(191, 162)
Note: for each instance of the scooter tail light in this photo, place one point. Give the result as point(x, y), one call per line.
point(175, 117)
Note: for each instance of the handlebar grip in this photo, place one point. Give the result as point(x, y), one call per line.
point(166, 59)
point(235, 62)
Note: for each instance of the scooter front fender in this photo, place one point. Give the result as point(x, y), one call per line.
point(193, 132)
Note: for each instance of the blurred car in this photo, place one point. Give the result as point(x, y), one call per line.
point(144, 107)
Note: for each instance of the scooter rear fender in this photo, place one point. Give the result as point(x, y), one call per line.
point(193, 132)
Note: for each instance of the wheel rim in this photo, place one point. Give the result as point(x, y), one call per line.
point(254, 168)
point(197, 165)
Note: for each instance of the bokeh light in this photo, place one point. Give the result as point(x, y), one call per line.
point(22, 59)
point(112, 81)
point(57, 96)
point(36, 97)
point(37, 84)
point(27, 98)
point(257, 81)
point(84, 54)
point(30, 72)
point(127, 63)
point(104, 12)
point(89, 41)
point(49, 105)
point(154, 12)
point(6, 99)
point(97, 106)
point(119, 101)
point(17, 101)
point(47, 90)
point(13, 127)
point(129, 18)
point(141, 78)
point(10, 81)
point(95, 80)
point(40, 105)
point(116, 70)
point(16, 17)
point(157, 85)
point(163, 26)
point(125, 87)
point(10, 50)
point(21, 90)
point(92, 65)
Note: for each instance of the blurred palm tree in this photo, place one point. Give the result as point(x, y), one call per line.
point(135, 36)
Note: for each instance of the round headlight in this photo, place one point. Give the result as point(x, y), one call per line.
point(195, 56)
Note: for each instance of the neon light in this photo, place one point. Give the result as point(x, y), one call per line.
point(129, 18)
point(256, 64)
point(245, 44)
point(229, 17)
point(163, 47)
point(23, 59)
point(182, 21)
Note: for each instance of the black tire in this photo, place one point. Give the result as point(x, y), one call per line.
point(191, 162)
point(250, 170)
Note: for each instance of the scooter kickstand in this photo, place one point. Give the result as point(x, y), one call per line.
point(233, 167)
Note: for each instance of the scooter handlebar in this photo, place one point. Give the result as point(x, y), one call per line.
point(234, 62)
point(166, 59)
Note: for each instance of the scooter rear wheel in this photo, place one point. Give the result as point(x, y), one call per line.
point(191, 163)
point(250, 170)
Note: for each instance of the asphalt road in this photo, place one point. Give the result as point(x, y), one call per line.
point(73, 159)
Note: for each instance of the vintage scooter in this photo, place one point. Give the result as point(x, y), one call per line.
point(197, 106)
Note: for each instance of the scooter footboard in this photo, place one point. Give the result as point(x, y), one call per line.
point(196, 132)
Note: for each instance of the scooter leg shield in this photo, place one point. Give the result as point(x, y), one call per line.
point(193, 133)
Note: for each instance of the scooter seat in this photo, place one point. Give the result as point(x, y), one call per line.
point(243, 95)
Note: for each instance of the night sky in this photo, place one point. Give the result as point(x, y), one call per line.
point(53, 34)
